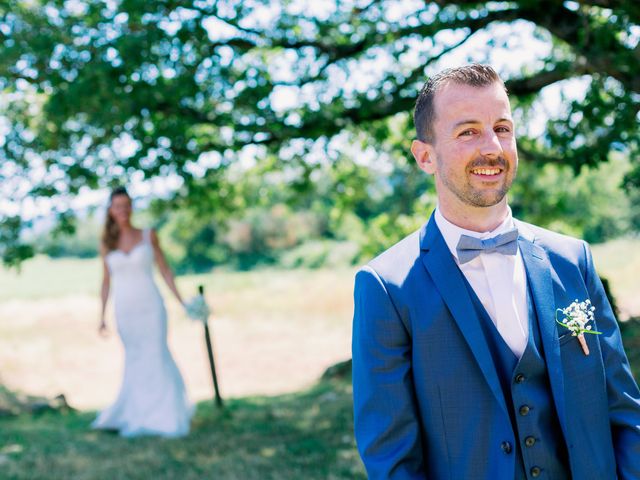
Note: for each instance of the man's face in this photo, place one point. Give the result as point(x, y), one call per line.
point(473, 155)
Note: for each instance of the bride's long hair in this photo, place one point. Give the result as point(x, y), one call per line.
point(111, 231)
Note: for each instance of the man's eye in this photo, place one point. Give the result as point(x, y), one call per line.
point(466, 133)
point(503, 129)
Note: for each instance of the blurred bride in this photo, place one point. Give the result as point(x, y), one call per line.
point(152, 398)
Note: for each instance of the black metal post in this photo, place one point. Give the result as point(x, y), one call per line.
point(207, 337)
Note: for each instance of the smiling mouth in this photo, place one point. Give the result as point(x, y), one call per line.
point(486, 171)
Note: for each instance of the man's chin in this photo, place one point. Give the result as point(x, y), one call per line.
point(486, 201)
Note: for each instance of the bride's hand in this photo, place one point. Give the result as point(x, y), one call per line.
point(103, 330)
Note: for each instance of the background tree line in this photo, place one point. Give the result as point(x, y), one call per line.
point(323, 232)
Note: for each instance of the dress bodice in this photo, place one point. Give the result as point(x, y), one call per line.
point(138, 261)
point(132, 272)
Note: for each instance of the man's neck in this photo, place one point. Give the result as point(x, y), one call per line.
point(476, 219)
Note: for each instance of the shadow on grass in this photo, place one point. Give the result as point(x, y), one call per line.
point(304, 435)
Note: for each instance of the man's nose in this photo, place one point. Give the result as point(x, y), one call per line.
point(491, 146)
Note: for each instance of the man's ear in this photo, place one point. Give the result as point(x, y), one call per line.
point(424, 154)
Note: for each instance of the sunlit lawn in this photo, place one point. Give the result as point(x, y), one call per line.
point(42, 277)
point(275, 332)
point(619, 261)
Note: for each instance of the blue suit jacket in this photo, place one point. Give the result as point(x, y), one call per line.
point(427, 398)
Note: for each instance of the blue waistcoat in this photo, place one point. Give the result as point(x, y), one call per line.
point(540, 450)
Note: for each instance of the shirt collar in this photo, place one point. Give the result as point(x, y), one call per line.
point(451, 233)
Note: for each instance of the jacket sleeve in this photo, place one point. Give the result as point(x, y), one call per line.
point(387, 429)
point(622, 390)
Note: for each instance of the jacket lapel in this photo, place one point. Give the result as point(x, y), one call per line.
point(448, 279)
point(538, 268)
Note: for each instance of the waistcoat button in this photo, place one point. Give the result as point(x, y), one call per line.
point(519, 378)
point(529, 441)
point(524, 410)
point(536, 471)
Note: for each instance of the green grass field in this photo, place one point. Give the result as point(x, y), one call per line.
point(304, 435)
point(619, 261)
point(276, 331)
point(41, 277)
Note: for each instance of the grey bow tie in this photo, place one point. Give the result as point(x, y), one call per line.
point(470, 247)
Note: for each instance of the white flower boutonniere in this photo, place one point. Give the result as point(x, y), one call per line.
point(576, 317)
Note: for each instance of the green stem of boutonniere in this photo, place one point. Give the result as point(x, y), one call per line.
point(575, 333)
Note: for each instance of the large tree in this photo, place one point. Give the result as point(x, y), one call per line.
point(99, 92)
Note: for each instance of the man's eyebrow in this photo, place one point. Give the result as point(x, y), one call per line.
point(466, 122)
point(475, 122)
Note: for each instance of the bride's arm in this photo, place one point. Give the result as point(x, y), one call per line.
point(163, 266)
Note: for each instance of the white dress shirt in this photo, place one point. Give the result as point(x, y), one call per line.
point(499, 281)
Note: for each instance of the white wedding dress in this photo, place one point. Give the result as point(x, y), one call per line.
point(152, 398)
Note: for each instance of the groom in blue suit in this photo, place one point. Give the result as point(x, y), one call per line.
point(460, 367)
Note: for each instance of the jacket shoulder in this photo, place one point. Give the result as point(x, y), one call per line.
point(557, 245)
point(394, 264)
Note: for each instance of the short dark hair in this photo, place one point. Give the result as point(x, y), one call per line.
point(474, 75)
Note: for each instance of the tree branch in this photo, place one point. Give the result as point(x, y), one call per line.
point(340, 53)
point(567, 25)
point(579, 30)
point(534, 83)
point(631, 8)
point(537, 156)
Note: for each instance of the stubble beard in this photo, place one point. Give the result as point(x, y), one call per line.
point(475, 197)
